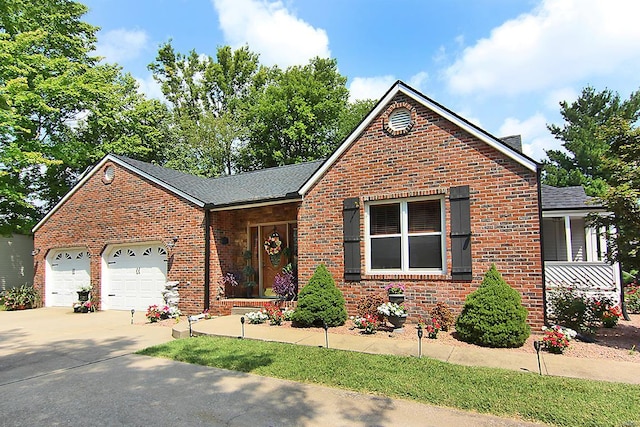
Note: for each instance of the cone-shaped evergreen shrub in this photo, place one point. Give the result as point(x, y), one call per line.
point(320, 300)
point(493, 315)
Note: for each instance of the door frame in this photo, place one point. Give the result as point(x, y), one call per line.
point(261, 255)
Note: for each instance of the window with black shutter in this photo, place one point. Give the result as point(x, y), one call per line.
point(405, 236)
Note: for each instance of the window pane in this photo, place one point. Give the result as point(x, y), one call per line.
point(425, 252)
point(385, 219)
point(385, 253)
point(424, 216)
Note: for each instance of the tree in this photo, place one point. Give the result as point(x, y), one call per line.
point(66, 109)
point(207, 97)
point(582, 163)
point(352, 115)
point(622, 198)
point(296, 117)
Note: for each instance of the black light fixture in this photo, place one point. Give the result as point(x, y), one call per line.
point(171, 244)
point(419, 341)
point(538, 345)
point(242, 323)
point(326, 333)
point(133, 310)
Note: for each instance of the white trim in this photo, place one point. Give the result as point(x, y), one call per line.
point(400, 87)
point(96, 169)
point(255, 205)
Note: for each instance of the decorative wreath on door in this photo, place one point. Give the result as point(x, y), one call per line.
point(273, 246)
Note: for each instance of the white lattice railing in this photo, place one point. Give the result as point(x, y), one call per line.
point(597, 278)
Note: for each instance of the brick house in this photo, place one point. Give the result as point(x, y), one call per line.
point(416, 194)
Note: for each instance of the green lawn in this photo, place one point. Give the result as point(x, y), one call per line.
point(552, 400)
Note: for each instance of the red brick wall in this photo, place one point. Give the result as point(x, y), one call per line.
point(434, 156)
point(128, 210)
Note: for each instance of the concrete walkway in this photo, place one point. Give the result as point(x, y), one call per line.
point(558, 365)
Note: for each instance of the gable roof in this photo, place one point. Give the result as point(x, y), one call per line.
point(401, 87)
point(566, 198)
point(266, 185)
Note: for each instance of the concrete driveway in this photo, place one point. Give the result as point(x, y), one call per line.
point(62, 368)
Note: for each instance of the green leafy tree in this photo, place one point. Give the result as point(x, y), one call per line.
point(207, 98)
point(66, 109)
point(296, 117)
point(583, 161)
point(352, 115)
point(622, 198)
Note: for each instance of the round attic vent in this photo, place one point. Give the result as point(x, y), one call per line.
point(400, 119)
point(109, 173)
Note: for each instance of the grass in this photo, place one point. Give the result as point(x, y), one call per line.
point(553, 400)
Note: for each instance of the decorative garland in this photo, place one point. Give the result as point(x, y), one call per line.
point(273, 245)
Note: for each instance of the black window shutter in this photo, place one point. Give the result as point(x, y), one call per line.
point(351, 231)
point(460, 233)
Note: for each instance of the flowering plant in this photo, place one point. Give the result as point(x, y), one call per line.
point(229, 279)
point(85, 288)
point(275, 314)
point(287, 314)
point(392, 309)
point(257, 316)
point(155, 313)
point(433, 329)
point(368, 323)
point(632, 297)
point(273, 245)
point(611, 316)
point(556, 338)
point(284, 285)
point(394, 288)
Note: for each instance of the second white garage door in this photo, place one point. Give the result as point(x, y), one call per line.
point(135, 276)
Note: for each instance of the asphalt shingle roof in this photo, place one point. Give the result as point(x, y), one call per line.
point(249, 187)
point(566, 198)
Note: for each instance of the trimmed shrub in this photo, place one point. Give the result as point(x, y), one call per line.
point(320, 300)
point(368, 305)
point(443, 315)
point(493, 315)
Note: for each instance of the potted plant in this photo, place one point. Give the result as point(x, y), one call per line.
point(394, 312)
point(83, 293)
point(20, 297)
point(229, 279)
point(395, 291)
point(284, 285)
point(248, 272)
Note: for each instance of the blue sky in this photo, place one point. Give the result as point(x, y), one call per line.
point(502, 64)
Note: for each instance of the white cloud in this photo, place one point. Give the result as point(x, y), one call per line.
point(554, 98)
point(271, 30)
point(417, 81)
point(151, 88)
point(121, 45)
point(370, 87)
point(535, 136)
point(560, 42)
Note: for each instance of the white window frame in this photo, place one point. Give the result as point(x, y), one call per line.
point(404, 237)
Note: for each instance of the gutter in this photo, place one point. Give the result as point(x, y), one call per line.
point(207, 256)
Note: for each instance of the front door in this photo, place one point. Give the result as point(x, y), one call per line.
point(278, 256)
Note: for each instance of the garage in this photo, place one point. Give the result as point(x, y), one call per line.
point(134, 276)
point(67, 271)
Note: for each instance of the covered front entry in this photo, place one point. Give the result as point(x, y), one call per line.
point(281, 241)
point(134, 276)
point(67, 271)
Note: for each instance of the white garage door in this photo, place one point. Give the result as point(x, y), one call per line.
point(68, 271)
point(135, 276)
